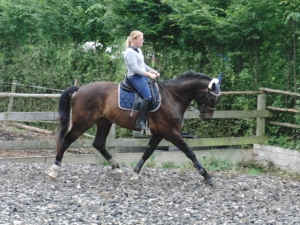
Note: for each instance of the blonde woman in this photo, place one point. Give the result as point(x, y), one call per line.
point(138, 74)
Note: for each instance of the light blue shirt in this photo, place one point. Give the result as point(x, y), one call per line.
point(135, 63)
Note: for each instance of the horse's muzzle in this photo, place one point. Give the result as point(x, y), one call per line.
point(205, 115)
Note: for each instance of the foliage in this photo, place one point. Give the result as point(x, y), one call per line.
point(150, 162)
point(170, 165)
point(215, 164)
point(253, 43)
point(254, 167)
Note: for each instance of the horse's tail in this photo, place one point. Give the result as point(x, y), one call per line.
point(64, 109)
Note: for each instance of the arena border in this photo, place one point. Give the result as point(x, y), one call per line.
point(159, 157)
point(285, 159)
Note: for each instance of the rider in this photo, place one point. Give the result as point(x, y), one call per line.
point(138, 73)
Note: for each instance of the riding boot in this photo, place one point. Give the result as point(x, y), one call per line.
point(141, 121)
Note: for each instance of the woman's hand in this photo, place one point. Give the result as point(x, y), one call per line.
point(153, 74)
point(156, 75)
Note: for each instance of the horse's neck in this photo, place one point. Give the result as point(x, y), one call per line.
point(185, 90)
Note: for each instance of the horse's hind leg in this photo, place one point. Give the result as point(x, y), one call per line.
point(154, 141)
point(71, 136)
point(103, 127)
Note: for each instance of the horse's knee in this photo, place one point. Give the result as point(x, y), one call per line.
point(101, 148)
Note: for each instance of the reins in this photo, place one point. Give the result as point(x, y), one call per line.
point(159, 83)
point(208, 91)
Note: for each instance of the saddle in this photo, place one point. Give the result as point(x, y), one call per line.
point(129, 99)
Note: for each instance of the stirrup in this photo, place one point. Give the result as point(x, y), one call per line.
point(146, 132)
point(144, 129)
point(141, 125)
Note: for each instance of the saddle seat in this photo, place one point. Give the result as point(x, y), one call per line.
point(128, 99)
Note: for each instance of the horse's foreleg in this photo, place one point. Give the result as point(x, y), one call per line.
point(99, 143)
point(180, 143)
point(153, 142)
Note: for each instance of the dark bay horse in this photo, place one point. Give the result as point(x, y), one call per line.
point(97, 103)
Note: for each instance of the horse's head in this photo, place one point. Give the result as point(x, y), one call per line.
point(208, 99)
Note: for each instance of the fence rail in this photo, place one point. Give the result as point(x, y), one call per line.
point(260, 114)
point(52, 116)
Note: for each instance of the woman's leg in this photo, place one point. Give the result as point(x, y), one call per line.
point(141, 86)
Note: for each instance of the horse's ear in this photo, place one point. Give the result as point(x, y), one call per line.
point(213, 87)
point(214, 84)
point(216, 87)
point(220, 78)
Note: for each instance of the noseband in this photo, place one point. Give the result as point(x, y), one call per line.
point(203, 108)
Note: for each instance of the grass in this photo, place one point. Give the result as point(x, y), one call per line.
point(268, 168)
point(17, 130)
point(214, 164)
point(254, 171)
point(170, 165)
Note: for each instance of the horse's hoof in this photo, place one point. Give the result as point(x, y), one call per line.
point(135, 177)
point(118, 173)
point(53, 172)
point(51, 178)
point(209, 182)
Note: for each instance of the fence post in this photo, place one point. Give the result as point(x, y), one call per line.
point(112, 132)
point(11, 100)
point(111, 136)
point(261, 122)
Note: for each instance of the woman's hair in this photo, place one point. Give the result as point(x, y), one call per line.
point(133, 35)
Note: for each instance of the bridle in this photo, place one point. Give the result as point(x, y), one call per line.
point(203, 108)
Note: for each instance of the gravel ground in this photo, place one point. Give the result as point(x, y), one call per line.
point(91, 194)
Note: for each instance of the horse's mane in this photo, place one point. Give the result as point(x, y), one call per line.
point(187, 76)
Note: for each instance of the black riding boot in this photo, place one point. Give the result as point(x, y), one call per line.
point(141, 121)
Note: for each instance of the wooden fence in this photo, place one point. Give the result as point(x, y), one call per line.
point(261, 113)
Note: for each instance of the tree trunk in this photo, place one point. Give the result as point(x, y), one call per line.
point(288, 73)
point(256, 65)
point(295, 55)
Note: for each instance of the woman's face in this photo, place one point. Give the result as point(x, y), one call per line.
point(138, 42)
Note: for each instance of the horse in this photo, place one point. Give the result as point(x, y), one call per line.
point(97, 103)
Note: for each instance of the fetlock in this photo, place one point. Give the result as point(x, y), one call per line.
point(139, 166)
